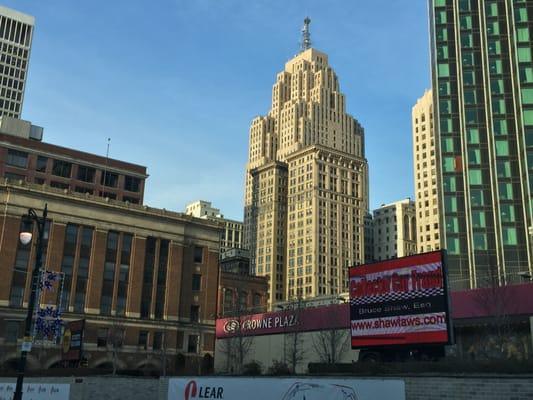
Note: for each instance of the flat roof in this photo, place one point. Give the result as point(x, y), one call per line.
point(17, 15)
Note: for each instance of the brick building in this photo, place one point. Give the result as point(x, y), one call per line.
point(240, 292)
point(147, 273)
point(24, 156)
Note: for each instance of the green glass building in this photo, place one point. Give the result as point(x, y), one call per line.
point(482, 77)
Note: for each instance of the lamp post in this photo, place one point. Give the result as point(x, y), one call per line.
point(25, 238)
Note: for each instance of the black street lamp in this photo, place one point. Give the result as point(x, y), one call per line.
point(25, 238)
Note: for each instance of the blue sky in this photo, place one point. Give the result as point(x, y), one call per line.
point(175, 83)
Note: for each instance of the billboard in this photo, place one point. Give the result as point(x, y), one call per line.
point(399, 302)
point(284, 389)
point(73, 340)
point(302, 320)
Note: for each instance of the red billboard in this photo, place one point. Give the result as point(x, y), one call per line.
point(400, 301)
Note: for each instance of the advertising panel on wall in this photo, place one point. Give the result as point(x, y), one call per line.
point(303, 320)
point(36, 391)
point(73, 340)
point(284, 389)
point(401, 301)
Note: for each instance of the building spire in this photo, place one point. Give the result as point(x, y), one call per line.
point(306, 36)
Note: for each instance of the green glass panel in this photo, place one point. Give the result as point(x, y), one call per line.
point(500, 127)
point(464, 5)
point(452, 245)
point(445, 106)
point(469, 78)
point(509, 236)
point(470, 96)
point(471, 116)
point(503, 169)
point(450, 203)
point(449, 164)
point(526, 74)
point(524, 54)
point(493, 28)
point(452, 225)
point(442, 34)
point(466, 22)
point(446, 125)
point(528, 117)
point(530, 160)
point(529, 136)
point(449, 183)
point(477, 197)
point(506, 191)
point(498, 107)
point(507, 213)
point(478, 219)
point(496, 66)
point(527, 96)
point(474, 156)
point(440, 17)
point(444, 70)
point(474, 176)
point(440, 3)
point(467, 40)
point(492, 9)
point(502, 148)
point(521, 14)
point(495, 47)
point(442, 52)
point(468, 59)
point(522, 34)
point(496, 86)
point(472, 135)
point(480, 241)
point(444, 89)
point(447, 145)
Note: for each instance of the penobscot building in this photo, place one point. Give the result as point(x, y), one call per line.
point(306, 191)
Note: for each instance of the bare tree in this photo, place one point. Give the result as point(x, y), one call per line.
point(115, 340)
point(330, 345)
point(238, 347)
point(496, 300)
point(293, 344)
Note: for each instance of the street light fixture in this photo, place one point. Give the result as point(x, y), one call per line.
point(25, 238)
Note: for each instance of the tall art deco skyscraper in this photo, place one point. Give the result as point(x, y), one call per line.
point(483, 110)
point(306, 183)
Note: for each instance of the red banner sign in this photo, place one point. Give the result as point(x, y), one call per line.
point(303, 320)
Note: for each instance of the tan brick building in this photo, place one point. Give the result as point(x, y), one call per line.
point(150, 272)
point(425, 173)
point(306, 189)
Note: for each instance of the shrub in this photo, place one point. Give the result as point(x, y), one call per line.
point(252, 368)
point(279, 368)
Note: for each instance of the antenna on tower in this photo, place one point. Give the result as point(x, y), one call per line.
point(306, 35)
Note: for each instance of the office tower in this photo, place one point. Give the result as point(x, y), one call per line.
point(394, 230)
point(483, 110)
point(16, 30)
point(425, 172)
point(232, 232)
point(306, 183)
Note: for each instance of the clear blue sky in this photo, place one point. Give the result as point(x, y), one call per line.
point(175, 84)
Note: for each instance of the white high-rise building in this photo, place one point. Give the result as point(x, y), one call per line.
point(306, 183)
point(232, 234)
point(394, 230)
point(16, 31)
